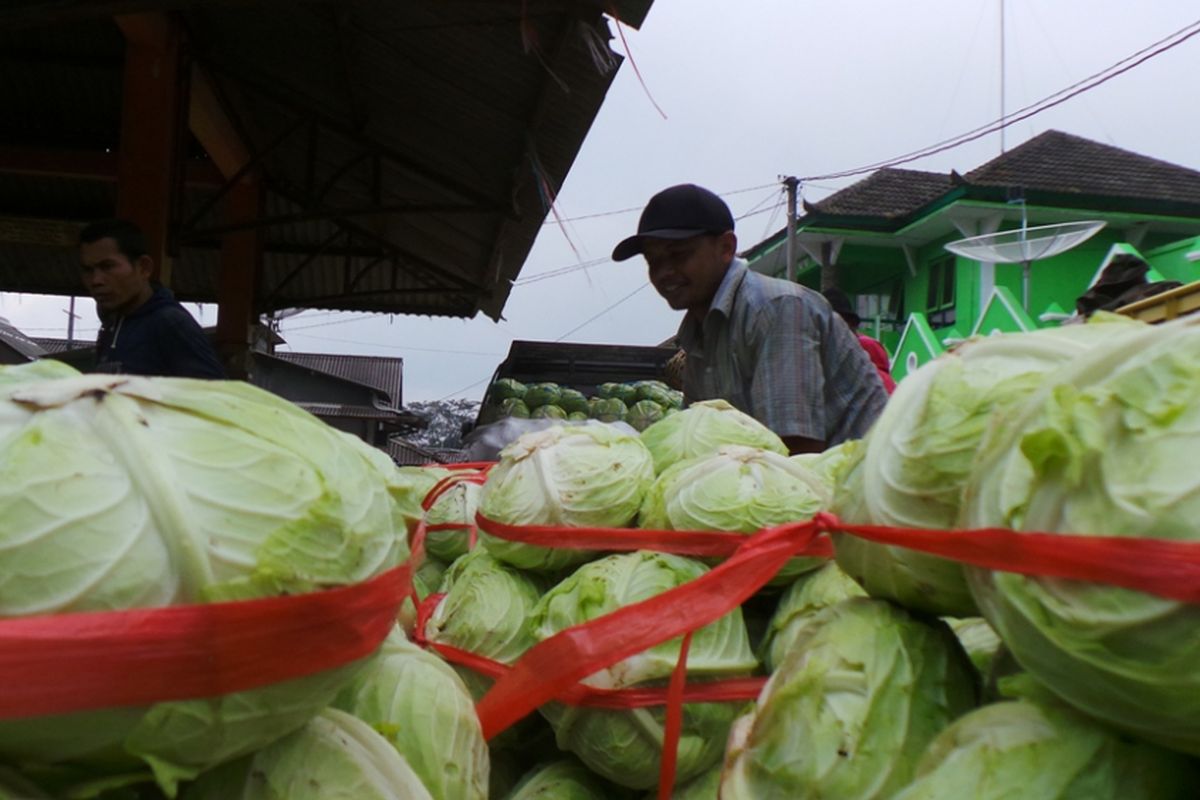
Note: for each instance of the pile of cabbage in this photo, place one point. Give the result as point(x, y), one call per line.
point(888, 673)
point(639, 403)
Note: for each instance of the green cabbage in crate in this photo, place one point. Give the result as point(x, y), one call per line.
point(656, 391)
point(701, 428)
point(548, 411)
point(643, 414)
point(573, 400)
point(611, 409)
point(625, 392)
point(514, 407)
point(540, 394)
point(121, 492)
point(506, 388)
point(625, 746)
point(569, 475)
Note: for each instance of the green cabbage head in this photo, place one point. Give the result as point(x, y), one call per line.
point(1042, 752)
point(424, 710)
point(851, 708)
point(455, 506)
point(808, 595)
point(736, 489)
point(1108, 448)
point(566, 779)
point(701, 428)
point(572, 476)
point(487, 611)
point(913, 465)
point(333, 757)
point(121, 492)
point(625, 746)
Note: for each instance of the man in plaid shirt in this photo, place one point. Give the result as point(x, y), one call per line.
point(772, 348)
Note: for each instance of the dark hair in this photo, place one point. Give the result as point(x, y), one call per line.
point(131, 242)
point(842, 306)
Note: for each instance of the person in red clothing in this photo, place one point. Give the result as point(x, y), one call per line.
point(840, 303)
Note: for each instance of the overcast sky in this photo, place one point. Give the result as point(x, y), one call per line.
point(757, 90)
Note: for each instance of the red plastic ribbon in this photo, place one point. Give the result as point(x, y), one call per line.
point(1160, 567)
point(697, 544)
point(722, 690)
point(57, 664)
point(552, 667)
point(673, 725)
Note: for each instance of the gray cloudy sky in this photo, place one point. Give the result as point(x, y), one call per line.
point(764, 88)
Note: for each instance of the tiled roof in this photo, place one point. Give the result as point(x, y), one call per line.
point(55, 346)
point(19, 342)
point(379, 372)
point(1061, 162)
point(407, 454)
point(888, 193)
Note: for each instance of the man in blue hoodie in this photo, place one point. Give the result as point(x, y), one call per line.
point(144, 330)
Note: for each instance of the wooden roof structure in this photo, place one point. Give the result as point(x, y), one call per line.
point(359, 155)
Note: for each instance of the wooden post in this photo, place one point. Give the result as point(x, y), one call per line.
point(241, 257)
point(153, 114)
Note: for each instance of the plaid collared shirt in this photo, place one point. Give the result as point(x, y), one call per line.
point(776, 351)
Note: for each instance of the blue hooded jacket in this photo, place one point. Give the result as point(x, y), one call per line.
point(158, 338)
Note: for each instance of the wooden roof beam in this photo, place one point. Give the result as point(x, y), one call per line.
point(90, 165)
point(207, 118)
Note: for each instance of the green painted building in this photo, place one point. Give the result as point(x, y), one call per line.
point(882, 240)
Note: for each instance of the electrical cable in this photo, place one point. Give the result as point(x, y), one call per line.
point(1050, 101)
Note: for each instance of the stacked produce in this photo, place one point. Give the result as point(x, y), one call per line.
point(639, 403)
point(986, 668)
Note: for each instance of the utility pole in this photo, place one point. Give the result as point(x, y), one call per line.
point(1002, 77)
point(792, 183)
point(71, 317)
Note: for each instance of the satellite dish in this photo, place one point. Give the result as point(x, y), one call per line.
point(1025, 245)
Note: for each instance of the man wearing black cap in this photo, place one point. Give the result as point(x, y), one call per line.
point(772, 348)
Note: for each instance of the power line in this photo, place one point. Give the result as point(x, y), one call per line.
point(1050, 101)
point(597, 316)
point(632, 209)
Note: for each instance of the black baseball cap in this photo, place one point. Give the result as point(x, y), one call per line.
point(679, 212)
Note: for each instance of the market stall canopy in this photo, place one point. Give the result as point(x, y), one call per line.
point(407, 150)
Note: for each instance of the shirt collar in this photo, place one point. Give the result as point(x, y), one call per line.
point(723, 300)
point(689, 334)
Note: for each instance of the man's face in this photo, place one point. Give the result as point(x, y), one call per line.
point(117, 285)
point(688, 272)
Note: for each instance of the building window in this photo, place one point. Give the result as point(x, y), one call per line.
point(939, 299)
point(884, 302)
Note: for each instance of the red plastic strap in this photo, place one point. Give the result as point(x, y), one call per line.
point(698, 544)
point(1156, 566)
point(551, 668)
point(674, 722)
point(725, 690)
point(63, 663)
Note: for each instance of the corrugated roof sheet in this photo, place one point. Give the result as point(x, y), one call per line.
point(383, 373)
point(452, 118)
